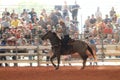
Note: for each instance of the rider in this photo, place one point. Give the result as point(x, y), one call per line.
point(66, 36)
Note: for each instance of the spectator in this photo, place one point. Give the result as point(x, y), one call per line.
point(43, 12)
point(13, 14)
point(67, 22)
point(98, 14)
point(42, 22)
point(25, 17)
point(87, 22)
point(21, 40)
point(32, 14)
point(74, 10)
point(107, 19)
point(35, 19)
point(49, 21)
point(91, 40)
point(28, 35)
point(5, 24)
point(92, 20)
point(5, 13)
point(108, 30)
point(54, 18)
point(3, 43)
point(58, 14)
point(15, 22)
point(73, 29)
point(118, 21)
point(112, 12)
point(76, 36)
point(65, 10)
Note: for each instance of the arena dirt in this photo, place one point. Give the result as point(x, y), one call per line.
point(64, 73)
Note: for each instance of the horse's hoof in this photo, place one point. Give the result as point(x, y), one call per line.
point(90, 63)
point(70, 64)
point(82, 68)
point(96, 63)
point(56, 68)
point(47, 64)
point(54, 65)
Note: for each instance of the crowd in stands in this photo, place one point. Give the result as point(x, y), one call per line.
point(26, 28)
point(100, 30)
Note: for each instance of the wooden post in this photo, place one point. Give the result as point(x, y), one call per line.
point(38, 56)
point(103, 54)
point(16, 56)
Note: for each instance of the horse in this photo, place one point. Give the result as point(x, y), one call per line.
point(75, 46)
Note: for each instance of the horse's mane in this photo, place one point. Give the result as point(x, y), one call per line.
point(55, 34)
point(54, 39)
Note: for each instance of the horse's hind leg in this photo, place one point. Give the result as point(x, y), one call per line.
point(58, 59)
point(84, 61)
point(51, 59)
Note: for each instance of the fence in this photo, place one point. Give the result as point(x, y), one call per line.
point(111, 54)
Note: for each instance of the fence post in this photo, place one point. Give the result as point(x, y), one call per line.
point(103, 54)
point(16, 52)
point(38, 56)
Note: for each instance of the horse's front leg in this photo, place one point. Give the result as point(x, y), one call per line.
point(84, 61)
point(51, 59)
point(58, 60)
point(84, 64)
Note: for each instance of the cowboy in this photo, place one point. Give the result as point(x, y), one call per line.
point(65, 38)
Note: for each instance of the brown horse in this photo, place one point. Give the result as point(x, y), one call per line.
point(76, 46)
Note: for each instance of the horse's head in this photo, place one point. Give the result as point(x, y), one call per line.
point(48, 35)
point(53, 38)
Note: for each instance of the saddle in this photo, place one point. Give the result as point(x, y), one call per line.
point(66, 41)
point(70, 41)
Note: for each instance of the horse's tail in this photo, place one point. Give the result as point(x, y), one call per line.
point(90, 50)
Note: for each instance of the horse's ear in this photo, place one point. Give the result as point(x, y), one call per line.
point(54, 33)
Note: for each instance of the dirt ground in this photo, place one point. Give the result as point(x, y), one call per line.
point(64, 73)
